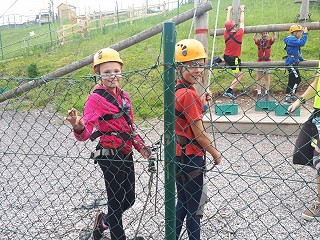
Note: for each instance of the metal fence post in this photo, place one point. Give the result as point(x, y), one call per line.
point(50, 32)
point(2, 56)
point(169, 140)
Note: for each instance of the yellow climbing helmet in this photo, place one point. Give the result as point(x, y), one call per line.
point(188, 50)
point(106, 55)
point(295, 27)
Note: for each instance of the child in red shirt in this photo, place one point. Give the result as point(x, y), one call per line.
point(232, 52)
point(264, 52)
point(192, 139)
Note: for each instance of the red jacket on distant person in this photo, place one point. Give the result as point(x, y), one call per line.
point(264, 49)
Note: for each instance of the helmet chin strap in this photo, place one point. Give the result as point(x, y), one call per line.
point(182, 78)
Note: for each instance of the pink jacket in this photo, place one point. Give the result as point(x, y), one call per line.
point(97, 106)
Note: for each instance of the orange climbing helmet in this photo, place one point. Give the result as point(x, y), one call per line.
point(188, 50)
point(295, 28)
point(106, 55)
point(230, 24)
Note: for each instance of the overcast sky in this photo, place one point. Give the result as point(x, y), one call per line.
point(32, 7)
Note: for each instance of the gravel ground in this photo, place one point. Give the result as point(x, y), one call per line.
point(50, 189)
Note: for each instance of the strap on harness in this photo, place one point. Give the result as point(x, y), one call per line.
point(231, 36)
point(264, 58)
point(183, 141)
point(123, 136)
point(123, 112)
point(187, 177)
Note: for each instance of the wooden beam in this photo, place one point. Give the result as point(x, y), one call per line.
point(118, 46)
point(270, 28)
point(273, 64)
point(300, 1)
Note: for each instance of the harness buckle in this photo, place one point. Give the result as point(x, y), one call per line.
point(103, 152)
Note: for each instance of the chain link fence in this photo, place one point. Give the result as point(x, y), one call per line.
point(51, 189)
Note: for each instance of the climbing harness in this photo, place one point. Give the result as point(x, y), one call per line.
point(123, 112)
point(231, 36)
point(183, 141)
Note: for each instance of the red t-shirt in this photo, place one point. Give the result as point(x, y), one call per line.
point(233, 48)
point(264, 50)
point(189, 103)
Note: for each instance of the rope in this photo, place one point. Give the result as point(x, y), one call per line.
point(151, 168)
point(194, 15)
point(214, 39)
point(210, 73)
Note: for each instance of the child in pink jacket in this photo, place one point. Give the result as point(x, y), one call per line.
point(109, 110)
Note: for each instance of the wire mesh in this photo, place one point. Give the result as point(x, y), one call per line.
point(51, 189)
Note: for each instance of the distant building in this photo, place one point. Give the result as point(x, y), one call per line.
point(66, 12)
point(44, 16)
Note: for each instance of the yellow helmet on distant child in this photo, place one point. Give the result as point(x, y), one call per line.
point(188, 50)
point(106, 55)
point(295, 27)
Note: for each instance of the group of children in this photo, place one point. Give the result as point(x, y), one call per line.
point(293, 43)
point(109, 110)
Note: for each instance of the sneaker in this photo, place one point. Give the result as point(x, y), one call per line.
point(228, 95)
point(100, 225)
point(313, 212)
point(288, 99)
point(293, 98)
point(259, 97)
point(267, 96)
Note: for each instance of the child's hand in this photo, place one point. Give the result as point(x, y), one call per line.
point(305, 29)
point(294, 106)
point(76, 121)
point(218, 159)
point(206, 97)
point(146, 151)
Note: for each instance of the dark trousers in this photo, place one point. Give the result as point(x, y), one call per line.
point(119, 179)
point(303, 151)
point(294, 80)
point(189, 194)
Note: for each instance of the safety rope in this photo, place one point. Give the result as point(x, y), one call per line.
point(194, 15)
point(152, 169)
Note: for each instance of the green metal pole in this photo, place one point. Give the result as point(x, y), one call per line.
point(117, 14)
point(178, 7)
point(50, 32)
point(169, 133)
point(1, 47)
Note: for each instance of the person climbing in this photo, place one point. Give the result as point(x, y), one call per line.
point(264, 52)
point(233, 43)
point(294, 42)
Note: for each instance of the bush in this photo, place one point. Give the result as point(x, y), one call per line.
point(33, 71)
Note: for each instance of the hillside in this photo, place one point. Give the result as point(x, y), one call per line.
point(144, 54)
point(144, 86)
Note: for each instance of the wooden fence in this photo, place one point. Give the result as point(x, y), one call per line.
point(85, 24)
